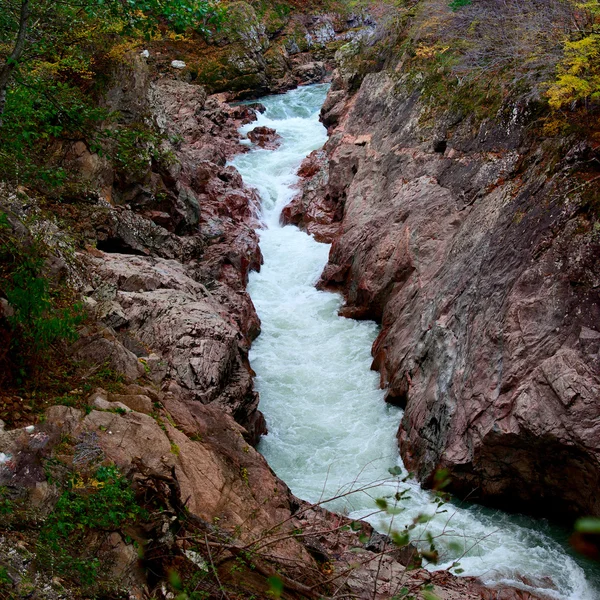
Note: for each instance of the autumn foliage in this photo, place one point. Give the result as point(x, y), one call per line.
point(578, 73)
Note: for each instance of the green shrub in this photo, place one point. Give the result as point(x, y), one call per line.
point(43, 314)
point(456, 4)
point(40, 112)
point(36, 320)
point(137, 146)
point(103, 501)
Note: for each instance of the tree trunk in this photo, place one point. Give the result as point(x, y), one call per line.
point(11, 62)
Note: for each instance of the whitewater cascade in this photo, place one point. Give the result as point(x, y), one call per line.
point(330, 430)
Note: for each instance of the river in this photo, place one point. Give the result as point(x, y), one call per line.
point(329, 427)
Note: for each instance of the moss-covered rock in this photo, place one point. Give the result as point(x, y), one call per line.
point(242, 26)
point(233, 68)
point(278, 64)
point(275, 19)
point(265, 47)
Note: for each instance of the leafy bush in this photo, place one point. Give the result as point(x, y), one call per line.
point(41, 315)
point(54, 59)
point(456, 4)
point(36, 319)
point(39, 112)
point(578, 73)
point(104, 501)
point(137, 146)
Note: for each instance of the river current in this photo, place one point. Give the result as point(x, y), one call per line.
point(330, 431)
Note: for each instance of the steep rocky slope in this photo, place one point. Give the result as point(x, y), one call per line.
point(475, 245)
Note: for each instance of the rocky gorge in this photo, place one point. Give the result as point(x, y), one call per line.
point(456, 238)
point(162, 270)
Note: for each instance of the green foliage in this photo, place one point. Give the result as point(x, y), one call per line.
point(137, 146)
point(180, 14)
point(4, 577)
point(103, 501)
point(588, 525)
point(471, 58)
point(36, 320)
point(39, 112)
point(456, 4)
point(7, 506)
point(40, 319)
point(55, 84)
point(275, 587)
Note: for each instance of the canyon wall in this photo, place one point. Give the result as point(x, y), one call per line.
point(475, 247)
point(261, 49)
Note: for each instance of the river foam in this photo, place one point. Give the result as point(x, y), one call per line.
point(330, 430)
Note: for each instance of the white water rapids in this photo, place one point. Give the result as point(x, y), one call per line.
point(329, 427)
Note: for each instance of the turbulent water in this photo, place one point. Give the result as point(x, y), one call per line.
point(330, 432)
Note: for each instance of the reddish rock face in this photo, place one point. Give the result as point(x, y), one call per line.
point(169, 273)
point(313, 209)
point(265, 137)
point(486, 284)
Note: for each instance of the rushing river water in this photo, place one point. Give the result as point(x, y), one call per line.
point(329, 429)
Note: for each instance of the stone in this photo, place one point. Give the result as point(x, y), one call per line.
point(144, 390)
point(157, 368)
point(90, 304)
point(97, 394)
point(195, 335)
point(43, 496)
point(105, 348)
point(138, 402)
point(112, 315)
point(312, 209)
point(265, 137)
point(311, 72)
point(6, 310)
point(65, 417)
point(115, 406)
point(178, 64)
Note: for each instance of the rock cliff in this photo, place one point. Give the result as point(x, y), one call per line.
point(264, 49)
point(474, 244)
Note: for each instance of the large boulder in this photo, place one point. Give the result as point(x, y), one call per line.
point(177, 318)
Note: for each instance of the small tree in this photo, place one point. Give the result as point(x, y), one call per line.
point(53, 58)
point(578, 74)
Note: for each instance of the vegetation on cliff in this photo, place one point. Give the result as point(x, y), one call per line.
point(55, 61)
point(475, 57)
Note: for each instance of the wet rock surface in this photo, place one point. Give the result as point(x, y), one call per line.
point(481, 273)
point(265, 137)
point(312, 209)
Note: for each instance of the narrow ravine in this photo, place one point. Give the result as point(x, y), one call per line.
point(329, 428)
